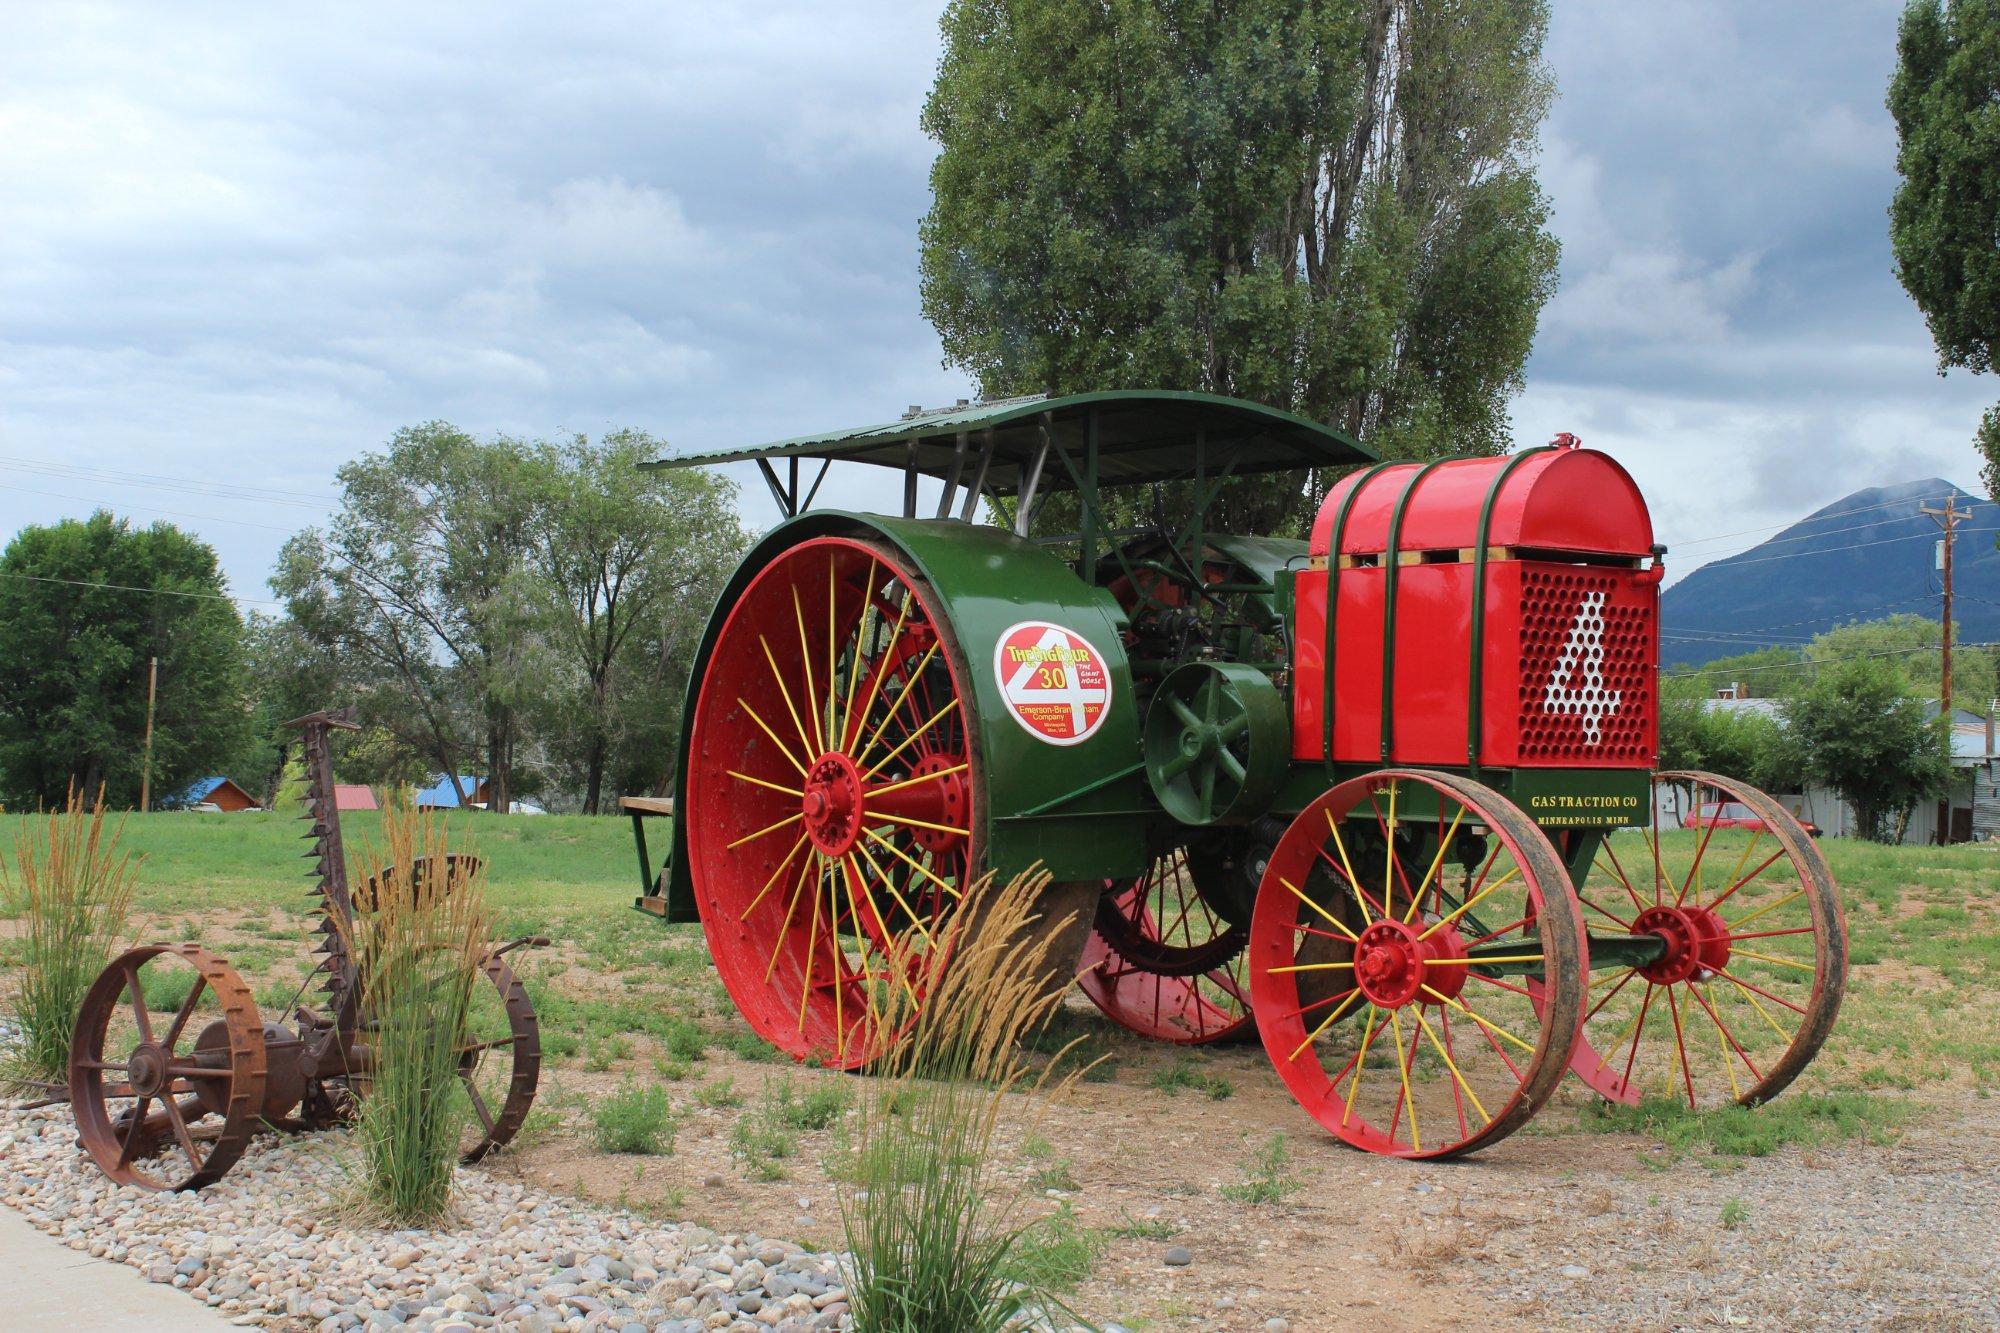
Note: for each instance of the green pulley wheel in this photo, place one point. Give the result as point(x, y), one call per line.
point(1217, 743)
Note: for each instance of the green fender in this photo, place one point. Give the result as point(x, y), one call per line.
point(1081, 810)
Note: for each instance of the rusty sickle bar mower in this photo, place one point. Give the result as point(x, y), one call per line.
point(173, 1068)
point(1385, 798)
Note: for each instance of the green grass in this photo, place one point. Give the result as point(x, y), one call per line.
point(814, 1107)
point(1186, 1073)
point(1267, 1176)
point(635, 1120)
point(546, 865)
point(1807, 1118)
point(1057, 1253)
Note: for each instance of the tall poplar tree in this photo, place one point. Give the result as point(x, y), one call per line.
point(1325, 205)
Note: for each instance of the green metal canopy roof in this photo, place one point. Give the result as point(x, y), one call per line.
point(1143, 435)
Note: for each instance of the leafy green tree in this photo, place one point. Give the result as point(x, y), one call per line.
point(621, 554)
point(1324, 205)
point(1946, 214)
point(74, 655)
point(1862, 734)
point(1914, 645)
point(423, 574)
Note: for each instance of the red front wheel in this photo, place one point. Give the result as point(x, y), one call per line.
point(1752, 956)
point(1416, 964)
point(833, 800)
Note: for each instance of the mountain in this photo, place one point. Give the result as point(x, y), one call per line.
point(1869, 555)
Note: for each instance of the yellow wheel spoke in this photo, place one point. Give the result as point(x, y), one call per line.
point(1330, 918)
point(1353, 880)
point(798, 887)
point(916, 921)
point(1483, 959)
point(1468, 904)
point(784, 691)
point(1436, 861)
point(1476, 1017)
point(861, 933)
point(1728, 1056)
point(768, 828)
point(912, 862)
point(1389, 854)
point(1403, 1071)
point(832, 645)
point(860, 637)
point(759, 782)
point(1610, 977)
point(1450, 1064)
point(806, 984)
point(782, 865)
point(910, 739)
point(911, 782)
point(1743, 921)
point(881, 816)
point(1768, 958)
point(882, 659)
point(861, 753)
point(1307, 967)
point(818, 741)
point(1758, 1005)
point(765, 727)
point(1361, 1061)
point(1326, 1023)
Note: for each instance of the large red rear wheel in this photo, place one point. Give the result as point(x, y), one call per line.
point(833, 795)
point(1162, 963)
point(1754, 950)
point(1436, 920)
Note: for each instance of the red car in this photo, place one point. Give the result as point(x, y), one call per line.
point(1734, 814)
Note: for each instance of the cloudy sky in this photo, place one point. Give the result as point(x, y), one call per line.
point(238, 247)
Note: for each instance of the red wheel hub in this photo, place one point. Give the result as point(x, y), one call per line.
point(832, 803)
point(1394, 965)
point(1697, 943)
point(938, 801)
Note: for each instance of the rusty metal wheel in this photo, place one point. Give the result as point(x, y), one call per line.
point(501, 1062)
point(1434, 915)
point(1162, 962)
point(1754, 957)
point(834, 796)
point(167, 1068)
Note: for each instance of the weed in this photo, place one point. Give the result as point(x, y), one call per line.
point(817, 1107)
point(1055, 1176)
point(1734, 1212)
point(75, 889)
point(1187, 1073)
point(1057, 1253)
point(635, 1120)
point(1145, 1228)
point(1266, 1177)
point(605, 1051)
point(1742, 1131)
point(718, 1092)
point(759, 1145)
point(670, 1069)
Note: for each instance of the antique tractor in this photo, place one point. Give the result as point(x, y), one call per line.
point(1386, 794)
point(173, 1069)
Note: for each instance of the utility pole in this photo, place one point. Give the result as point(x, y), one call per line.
point(146, 773)
point(1947, 520)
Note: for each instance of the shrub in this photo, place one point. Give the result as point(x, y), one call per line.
point(75, 890)
point(635, 1120)
point(418, 948)
point(934, 1242)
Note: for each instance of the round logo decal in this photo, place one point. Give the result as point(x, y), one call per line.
point(1056, 684)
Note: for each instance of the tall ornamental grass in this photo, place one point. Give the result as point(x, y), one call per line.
point(936, 1240)
point(418, 941)
point(72, 889)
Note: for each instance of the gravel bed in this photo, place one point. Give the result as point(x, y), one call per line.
point(266, 1246)
point(1854, 1237)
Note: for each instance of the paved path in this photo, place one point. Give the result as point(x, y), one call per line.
point(45, 1284)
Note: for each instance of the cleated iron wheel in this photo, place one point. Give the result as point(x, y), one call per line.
point(167, 1068)
point(1417, 964)
point(833, 799)
point(1754, 949)
point(1161, 962)
point(501, 1062)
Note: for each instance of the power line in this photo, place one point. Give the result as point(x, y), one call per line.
point(1775, 527)
point(128, 587)
point(148, 509)
point(186, 485)
point(1837, 550)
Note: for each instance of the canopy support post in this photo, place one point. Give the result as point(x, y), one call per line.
point(1024, 498)
point(951, 481)
point(978, 486)
point(785, 505)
